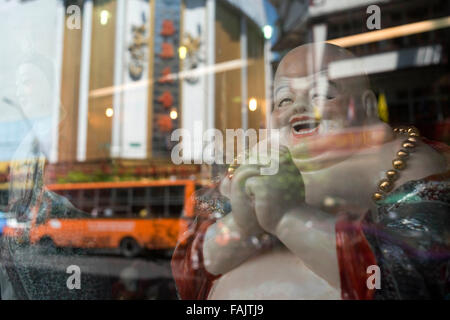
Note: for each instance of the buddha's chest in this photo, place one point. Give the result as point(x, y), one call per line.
point(273, 275)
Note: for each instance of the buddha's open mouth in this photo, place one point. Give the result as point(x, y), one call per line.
point(304, 126)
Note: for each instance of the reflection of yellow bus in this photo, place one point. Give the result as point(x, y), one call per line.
point(125, 215)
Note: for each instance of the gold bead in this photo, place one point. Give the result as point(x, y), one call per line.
point(231, 169)
point(392, 175)
point(385, 185)
point(413, 132)
point(412, 139)
point(403, 154)
point(399, 164)
point(400, 129)
point(377, 196)
point(408, 145)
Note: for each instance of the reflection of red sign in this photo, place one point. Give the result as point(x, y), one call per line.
point(167, 51)
point(168, 29)
point(164, 123)
point(166, 99)
point(165, 78)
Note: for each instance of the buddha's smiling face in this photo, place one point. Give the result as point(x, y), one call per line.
point(310, 105)
point(310, 108)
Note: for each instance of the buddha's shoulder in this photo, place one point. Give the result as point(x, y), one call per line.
point(426, 160)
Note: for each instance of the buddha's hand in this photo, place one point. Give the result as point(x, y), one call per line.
point(275, 195)
point(242, 209)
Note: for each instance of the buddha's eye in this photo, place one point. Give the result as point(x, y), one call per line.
point(285, 102)
point(326, 96)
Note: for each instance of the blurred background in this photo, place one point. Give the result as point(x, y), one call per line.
point(102, 84)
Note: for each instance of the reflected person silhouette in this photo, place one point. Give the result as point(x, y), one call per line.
point(21, 274)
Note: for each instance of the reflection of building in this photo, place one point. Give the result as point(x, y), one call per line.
point(136, 70)
point(162, 81)
point(407, 59)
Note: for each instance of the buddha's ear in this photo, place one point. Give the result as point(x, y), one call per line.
point(370, 105)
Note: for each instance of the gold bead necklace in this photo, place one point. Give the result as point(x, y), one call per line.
point(399, 163)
